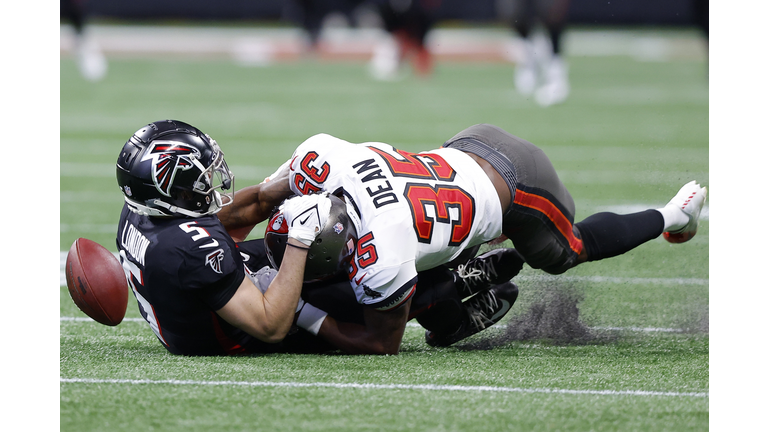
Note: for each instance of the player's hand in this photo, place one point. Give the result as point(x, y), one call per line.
point(306, 216)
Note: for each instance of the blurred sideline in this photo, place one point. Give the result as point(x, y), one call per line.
point(260, 46)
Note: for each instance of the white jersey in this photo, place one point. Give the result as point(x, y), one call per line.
point(417, 210)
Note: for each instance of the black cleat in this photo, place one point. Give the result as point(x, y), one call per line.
point(489, 269)
point(480, 312)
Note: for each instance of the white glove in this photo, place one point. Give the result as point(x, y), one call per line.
point(306, 216)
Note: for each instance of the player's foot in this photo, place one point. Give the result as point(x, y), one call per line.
point(488, 269)
point(481, 311)
point(386, 60)
point(689, 201)
point(525, 70)
point(90, 60)
point(555, 88)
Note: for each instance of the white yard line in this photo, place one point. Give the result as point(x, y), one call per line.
point(418, 326)
point(368, 386)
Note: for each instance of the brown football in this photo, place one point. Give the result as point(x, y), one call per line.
point(96, 282)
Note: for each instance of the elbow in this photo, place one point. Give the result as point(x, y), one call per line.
point(271, 334)
point(273, 338)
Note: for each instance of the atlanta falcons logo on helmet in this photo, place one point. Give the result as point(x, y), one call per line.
point(167, 158)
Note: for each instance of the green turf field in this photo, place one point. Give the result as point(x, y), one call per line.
point(628, 137)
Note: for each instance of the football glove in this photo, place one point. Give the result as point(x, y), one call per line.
point(306, 216)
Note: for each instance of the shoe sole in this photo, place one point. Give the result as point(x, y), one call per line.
point(680, 237)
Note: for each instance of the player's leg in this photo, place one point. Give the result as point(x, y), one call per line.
point(555, 244)
point(540, 222)
point(606, 235)
point(540, 219)
point(555, 86)
point(448, 318)
point(389, 54)
point(554, 16)
point(437, 303)
point(479, 312)
point(90, 60)
point(520, 16)
point(420, 22)
point(72, 10)
point(408, 26)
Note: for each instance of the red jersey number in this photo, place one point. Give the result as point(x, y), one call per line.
point(440, 204)
point(309, 171)
point(366, 255)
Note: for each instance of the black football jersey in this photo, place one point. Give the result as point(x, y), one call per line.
point(181, 271)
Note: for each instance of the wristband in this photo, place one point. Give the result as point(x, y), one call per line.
point(297, 247)
point(298, 308)
point(311, 318)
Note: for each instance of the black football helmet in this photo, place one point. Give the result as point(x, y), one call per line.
point(170, 168)
point(329, 254)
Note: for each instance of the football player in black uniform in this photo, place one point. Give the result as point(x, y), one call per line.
point(187, 274)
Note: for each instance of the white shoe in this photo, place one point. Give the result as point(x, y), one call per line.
point(555, 88)
point(385, 63)
point(690, 200)
point(90, 60)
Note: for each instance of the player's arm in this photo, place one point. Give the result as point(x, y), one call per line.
point(269, 316)
point(254, 204)
point(394, 277)
point(381, 334)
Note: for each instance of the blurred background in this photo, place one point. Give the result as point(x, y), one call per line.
point(387, 33)
point(615, 92)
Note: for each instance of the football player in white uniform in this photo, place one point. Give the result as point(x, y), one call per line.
point(418, 211)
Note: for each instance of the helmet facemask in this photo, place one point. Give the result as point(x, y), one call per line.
point(217, 177)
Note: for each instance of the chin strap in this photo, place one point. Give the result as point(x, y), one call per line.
point(145, 210)
point(185, 212)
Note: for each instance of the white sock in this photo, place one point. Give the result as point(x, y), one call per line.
point(674, 217)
